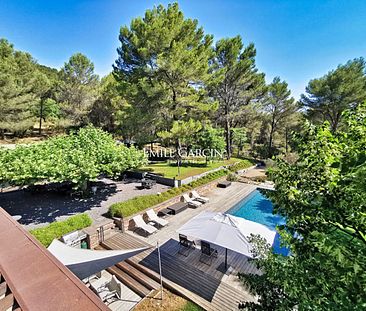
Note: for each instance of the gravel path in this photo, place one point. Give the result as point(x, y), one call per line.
point(39, 209)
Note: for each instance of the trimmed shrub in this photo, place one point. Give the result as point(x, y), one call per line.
point(57, 229)
point(135, 205)
point(232, 177)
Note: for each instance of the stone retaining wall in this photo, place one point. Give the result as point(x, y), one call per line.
point(128, 223)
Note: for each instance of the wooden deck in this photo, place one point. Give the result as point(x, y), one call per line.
point(204, 284)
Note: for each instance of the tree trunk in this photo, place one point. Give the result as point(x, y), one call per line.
point(286, 140)
point(40, 118)
point(270, 143)
point(178, 156)
point(228, 139)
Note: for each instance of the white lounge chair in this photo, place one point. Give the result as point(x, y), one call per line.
point(190, 201)
point(116, 286)
point(153, 217)
point(141, 224)
point(196, 196)
point(111, 290)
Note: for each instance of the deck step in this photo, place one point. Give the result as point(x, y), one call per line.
point(136, 273)
point(130, 282)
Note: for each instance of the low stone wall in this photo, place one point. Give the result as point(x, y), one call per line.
point(163, 180)
point(128, 223)
point(98, 232)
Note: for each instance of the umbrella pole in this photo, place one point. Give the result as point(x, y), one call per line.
point(225, 258)
point(161, 276)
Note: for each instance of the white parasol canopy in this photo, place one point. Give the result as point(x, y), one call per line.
point(85, 262)
point(226, 231)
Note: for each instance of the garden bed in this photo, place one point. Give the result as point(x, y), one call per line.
point(57, 229)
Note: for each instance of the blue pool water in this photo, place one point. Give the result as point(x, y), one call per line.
point(258, 208)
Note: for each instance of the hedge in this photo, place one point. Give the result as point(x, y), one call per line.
point(57, 229)
point(240, 165)
point(137, 204)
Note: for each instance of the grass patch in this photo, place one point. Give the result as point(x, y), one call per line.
point(170, 302)
point(190, 306)
point(170, 170)
point(240, 165)
point(137, 204)
point(57, 229)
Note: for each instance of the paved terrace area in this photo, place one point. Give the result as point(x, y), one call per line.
point(39, 209)
point(205, 284)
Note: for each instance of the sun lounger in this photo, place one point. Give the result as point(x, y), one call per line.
point(153, 217)
point(207, 253)
point(190, 201)
point(141, 224)
point(116, 286)
point(111, 290)
point(196, 196)
point(185, 245)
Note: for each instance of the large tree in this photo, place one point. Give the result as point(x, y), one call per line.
point(78, 89)
point(340, 89)
point(279, 107)
point(21, 86)
point(322, 196)
point(235, 82)
point(164, 58)
point(77, 158)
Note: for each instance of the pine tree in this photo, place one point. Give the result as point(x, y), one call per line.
point(164, 59)
point(279, 106)
point(21, 85)
point(235, 82)
point(340, 89)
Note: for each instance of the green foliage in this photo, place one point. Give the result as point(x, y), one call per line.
point(109, 108)
point(181, 131)
point(57, 229)
point(210, 138)
point(322, 195)
point(77, 158)
point(235, 82)
point(279, 107)
point(190, 306)
point(340, 89)
point(240, 165)
point(21, 85)
point(135, 205)
point(163, 64)
point(232, 177)
point(78, 89)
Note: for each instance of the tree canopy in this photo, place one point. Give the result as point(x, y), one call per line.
point(164, 59)
point(21, 86)
point(77, 158)
point(77, 89)
point(340, 89)
point(279, 106)
point(322, 195)
point(235, 82)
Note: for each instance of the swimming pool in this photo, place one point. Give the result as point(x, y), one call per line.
point(258, 208)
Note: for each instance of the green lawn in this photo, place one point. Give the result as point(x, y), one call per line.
point(169, 170)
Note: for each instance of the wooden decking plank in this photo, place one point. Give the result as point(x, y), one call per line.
point(7, 302)
point(136, 274)
point(130, 282)
point(3, 288)
point(217, 295)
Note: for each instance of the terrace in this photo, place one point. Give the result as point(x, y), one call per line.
point(206, 285)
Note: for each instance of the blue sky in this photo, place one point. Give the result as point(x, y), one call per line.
point(296, 40)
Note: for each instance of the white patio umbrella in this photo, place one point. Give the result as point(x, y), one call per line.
point(85, 262)
point(226, 231)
